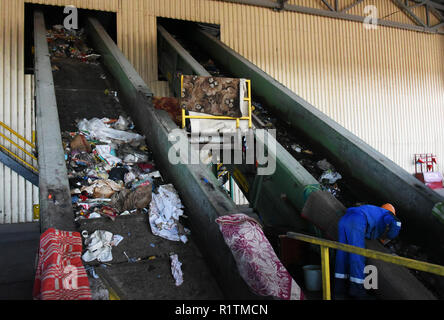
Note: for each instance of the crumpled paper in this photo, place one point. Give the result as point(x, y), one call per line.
point(176, 269)
point(99, 246)
point(165, 210)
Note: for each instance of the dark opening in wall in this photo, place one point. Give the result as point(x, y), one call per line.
point(54, 16)
point(177, 28)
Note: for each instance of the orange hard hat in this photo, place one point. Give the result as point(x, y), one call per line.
point(389, 207)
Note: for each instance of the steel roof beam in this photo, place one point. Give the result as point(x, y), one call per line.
point(430, 3)
point(409, 12)
point(333, 14)
point(351, 5)
point(328, 5)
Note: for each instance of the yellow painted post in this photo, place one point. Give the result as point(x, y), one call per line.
point(325, 273)
point(183, 118)
point(181, 95)
point(250, 124)
point(36, 212)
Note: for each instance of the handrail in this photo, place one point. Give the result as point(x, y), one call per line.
point(16, 145)
point(326, 244)
point(20, 159)
point(31, 144)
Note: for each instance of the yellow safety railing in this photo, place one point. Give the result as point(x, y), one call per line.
point(31, 144)
point(249, 118)
point(326, 244)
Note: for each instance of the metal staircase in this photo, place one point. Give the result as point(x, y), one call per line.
point(18, 163)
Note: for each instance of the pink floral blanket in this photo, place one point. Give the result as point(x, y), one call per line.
point(255, 258)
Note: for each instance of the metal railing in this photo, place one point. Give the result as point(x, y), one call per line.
point(326, 244)
point(20, 137)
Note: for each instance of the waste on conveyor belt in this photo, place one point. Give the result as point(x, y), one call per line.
point(65, 43)
point(111, 173)
point(327, 176)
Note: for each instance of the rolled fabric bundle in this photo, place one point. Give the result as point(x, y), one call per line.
point(256, 260)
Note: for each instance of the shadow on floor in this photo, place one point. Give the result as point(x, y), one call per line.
point(19, 244)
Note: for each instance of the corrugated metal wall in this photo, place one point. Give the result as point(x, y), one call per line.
point(17, 196)
point(385, 85)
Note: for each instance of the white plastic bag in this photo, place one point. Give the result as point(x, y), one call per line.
point(104, 151)
point(99, 130)
point(330, 176)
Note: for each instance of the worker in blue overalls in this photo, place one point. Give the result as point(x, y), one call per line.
point(358, 224)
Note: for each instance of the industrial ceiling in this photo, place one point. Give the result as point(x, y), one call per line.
point(333, 10)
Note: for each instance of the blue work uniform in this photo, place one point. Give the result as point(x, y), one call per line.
point(358, 224)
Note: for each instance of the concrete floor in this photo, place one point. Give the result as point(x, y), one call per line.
point(19, 245)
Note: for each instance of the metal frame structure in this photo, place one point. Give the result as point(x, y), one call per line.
point(333, 10)
point(248, 99)
point(15, 156)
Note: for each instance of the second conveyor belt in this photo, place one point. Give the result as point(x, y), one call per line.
point(279, 199)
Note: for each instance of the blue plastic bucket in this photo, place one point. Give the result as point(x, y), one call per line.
point(313, 277)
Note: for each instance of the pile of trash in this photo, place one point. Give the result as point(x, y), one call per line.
point(110, 170)
point(65, 43)
point(329, 177)
point(322, 170)
point(111, 173)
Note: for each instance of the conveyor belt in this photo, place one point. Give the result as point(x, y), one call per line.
point(284, 193)
point(76, 91)
point(191, 47)
point(373, 173)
